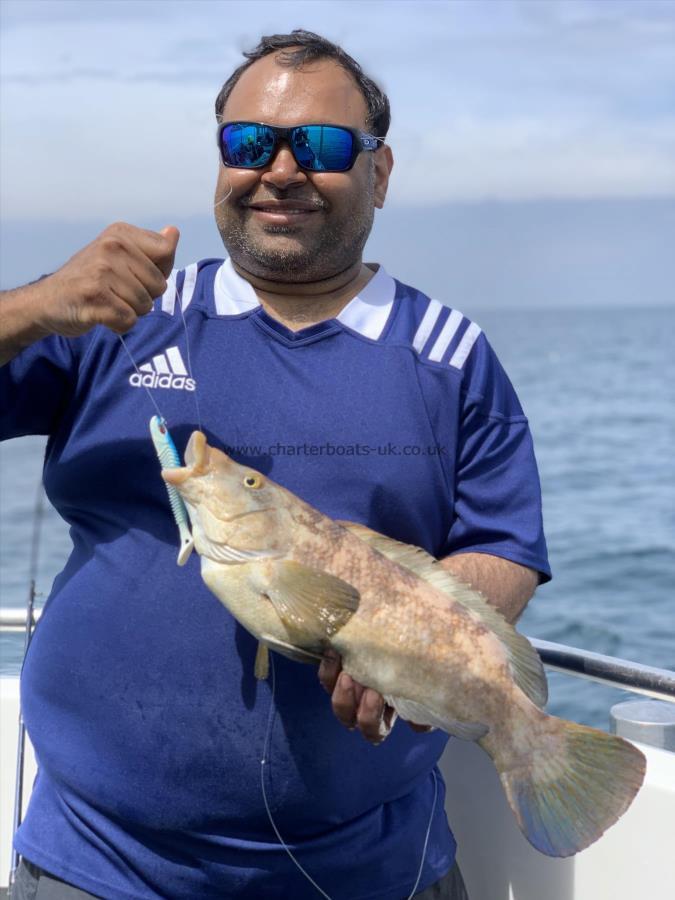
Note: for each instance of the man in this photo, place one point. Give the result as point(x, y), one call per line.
point(360, 394)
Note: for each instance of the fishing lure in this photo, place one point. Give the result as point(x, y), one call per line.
point(169, 458)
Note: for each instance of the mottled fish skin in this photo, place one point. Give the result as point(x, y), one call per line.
point(406, 638)
point(288, 572)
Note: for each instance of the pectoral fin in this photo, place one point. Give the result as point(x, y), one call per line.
point(262, 662)
point(313, 605)
point(290, 650)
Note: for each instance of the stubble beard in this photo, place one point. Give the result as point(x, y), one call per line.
point(327, 255)
point(331, 250)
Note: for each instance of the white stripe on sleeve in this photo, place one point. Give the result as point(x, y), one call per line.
point(169, 295)
point(447, 334)
point(464, 347)
point(189, 285)
point(431, 315)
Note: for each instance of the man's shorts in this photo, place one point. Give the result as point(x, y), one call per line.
point(33, 883)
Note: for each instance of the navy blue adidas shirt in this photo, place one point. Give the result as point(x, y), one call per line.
point(138, 688)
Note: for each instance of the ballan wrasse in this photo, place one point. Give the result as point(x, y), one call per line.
point(301, 582)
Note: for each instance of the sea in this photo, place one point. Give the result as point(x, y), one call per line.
point(598, 387)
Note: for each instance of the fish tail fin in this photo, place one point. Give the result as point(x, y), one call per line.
point(578, 783)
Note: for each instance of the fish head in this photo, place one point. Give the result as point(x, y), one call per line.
point(237, 514)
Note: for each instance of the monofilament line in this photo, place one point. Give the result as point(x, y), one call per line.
point(426, 837)
point(226, 197)
point(265, 760)
point(138, 371)
point(179, 299)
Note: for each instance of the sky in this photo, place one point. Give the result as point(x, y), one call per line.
point(534, 141)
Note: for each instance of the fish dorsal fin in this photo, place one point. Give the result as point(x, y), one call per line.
point(414, 558)
point(524, 662)
point(313, 605)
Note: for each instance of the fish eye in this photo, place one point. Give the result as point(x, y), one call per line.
point(253, 481)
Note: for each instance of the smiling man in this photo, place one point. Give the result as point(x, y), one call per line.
point(361, 394)
point(292, 222)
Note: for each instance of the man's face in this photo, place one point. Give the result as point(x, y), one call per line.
point(328, 235)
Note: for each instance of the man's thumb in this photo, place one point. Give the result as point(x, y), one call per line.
point(165, 261)
point(171, 232)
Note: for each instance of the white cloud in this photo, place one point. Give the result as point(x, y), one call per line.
point(533, 158)
point(107, 107)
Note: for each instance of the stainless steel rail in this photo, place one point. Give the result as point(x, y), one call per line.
point(15, 619)
point(609, 670)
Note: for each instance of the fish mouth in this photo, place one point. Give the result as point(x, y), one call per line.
point(197, 453)
point(196, 459)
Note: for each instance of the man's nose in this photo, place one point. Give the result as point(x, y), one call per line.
point(283, 170)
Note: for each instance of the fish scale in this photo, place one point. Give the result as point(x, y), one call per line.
point(409, 630)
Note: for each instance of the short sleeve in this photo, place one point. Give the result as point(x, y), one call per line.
point(37, 385)
point(497, 490)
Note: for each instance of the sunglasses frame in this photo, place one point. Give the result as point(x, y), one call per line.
point(361, 141)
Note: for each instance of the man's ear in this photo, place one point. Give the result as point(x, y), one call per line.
point(384, 163)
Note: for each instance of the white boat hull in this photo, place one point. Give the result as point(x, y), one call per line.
point(633, 861)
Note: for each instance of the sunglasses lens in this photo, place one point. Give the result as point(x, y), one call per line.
point(323, 148)
point(248, 146)
point(320, 148)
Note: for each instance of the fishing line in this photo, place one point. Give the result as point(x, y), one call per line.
point(270, 719)
point(163, 442)
point(426, 837)
point(140, 375)
point(179, 300)
point(229, 193)
point(265, 761)
point(189, 361)
point(159, 429)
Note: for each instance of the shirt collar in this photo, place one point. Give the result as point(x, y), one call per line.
point(367, 313)
point(232, 293)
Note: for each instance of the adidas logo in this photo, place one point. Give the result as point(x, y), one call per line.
point(166, 370)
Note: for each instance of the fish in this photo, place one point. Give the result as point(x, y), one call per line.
point(437, 650)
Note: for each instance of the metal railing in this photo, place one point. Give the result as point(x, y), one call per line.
point(15, 619)
point(609, 670)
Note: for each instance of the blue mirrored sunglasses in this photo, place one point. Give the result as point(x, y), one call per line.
point(317, 148)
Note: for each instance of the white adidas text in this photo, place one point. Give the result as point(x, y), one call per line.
point(153, 380)
point(165, 370)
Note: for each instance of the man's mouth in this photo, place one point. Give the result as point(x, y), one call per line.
point(283, 212)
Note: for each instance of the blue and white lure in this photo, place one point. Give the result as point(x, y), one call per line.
point(169, 458)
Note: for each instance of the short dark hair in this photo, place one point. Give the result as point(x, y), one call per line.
point(299, 47)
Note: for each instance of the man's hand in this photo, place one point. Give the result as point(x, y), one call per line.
point(110, 282)
point(355, 705)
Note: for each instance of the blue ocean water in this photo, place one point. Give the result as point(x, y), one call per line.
point(598, 387)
